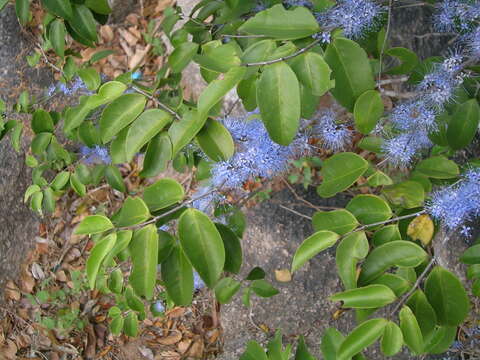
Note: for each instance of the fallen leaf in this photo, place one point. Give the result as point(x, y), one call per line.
point(175, 312)
point(12, 292)
point(9, 350)
point(184, 345)
point(170, 340)
point(196, 350)
point(283, 275)
point(421, 228)
point(37, 271)
point(170, 355)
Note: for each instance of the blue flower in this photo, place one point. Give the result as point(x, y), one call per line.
point(334, 136)
point(159, 306)
point(413, 115)
point(207, 199)
point(457, 204)
point(455, 15)
point(325, 37)
point(197, 281)
point(401, 149)
point(95, 155)
point(355, 17)
point(473, 42)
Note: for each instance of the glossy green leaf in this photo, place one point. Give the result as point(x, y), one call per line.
point(371, 143)
point(339, 173)
point(350, 250)
point(90, 77)
point(83, 22)
point(247, 92)
point(48, 203)
point(163, 193)
point(361, 337)
point(313, 245)
point(407, 194)
point(302, 352)
point(16, 135)
point(331, 340)
point(278, 97)
point(123, 240)
point(32, 189)
point(394, 253)
point(351, 70)
point(438, 167)
point(117, 147)
point(83, 173)
point(177, 274)
point(313, 72)
point(61, 8)
point(463, 125)
point(183, 131)
point(263, 289)
point(99, 6)
point(367, 111)
point(202, 244)
point(392, 340)
point(98, 253)
point(130, 325)
point(440, 340)
point(93, 224)
point(368, 297)
point(369, 209)
point(233, 249)
point(115, 281)
point(219, 59)
point(423, 311)
point(215, 141)
point(144, 252)
point(412, 334)
point(278, 23)
point(40, 143)
point(134, 302)
point(77, 185)
point(447, 296)
point(256, 273)
point(89, 134)
point(36, 202)
point(254, 352)
point(396, 283)
point(119, 114)
point(74, 116)
point(115, 178)
point(181, 56)
point(134, 211)
point(378, 178)
point(471, 255)
point(339, 221)
point(56, 35)
point(143, 129)
point(386, 234)
point(159, 152)
point(257, 52)
point(409, 60)
point(22, 9)
point(309, 102)
point(116, 325)
point(106, 93)
point(226, 289)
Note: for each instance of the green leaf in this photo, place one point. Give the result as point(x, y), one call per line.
point(247, 91)
point(473, 272)
point(117, 147)
point(386, 234)
point(114, 178)
point(368, 297)
point(313, 245)
point(177, 275)
point(181, 56)
point(130, 326)
point(331, 340)
point(447, 296)
point(217, 89)
point(408, 58)
point(278, 23)
point(83, 22)
point(134, 302)
point(106, 93)
point(123, 240)
point(116, 325)
point(313, 72)
point(350, 250)
point(438, 167)
point(74, 116)
point(163, 193)
point(278, 97)
point(371, 143)
point(398, 284)
point(351, 70)
point(379, 178)
point(225, 289)
point(99, 6)
point(257, 52)
point(407, 194)
point(339, 221)
point(119, 114)
point(339, 173)
point(183, 131)
point(219, 59)
point(463, 125)
point(361, 337)
point(423, 311)
point(89, 134)
point(254, 352)
point(392, 339)
point(61, 8)
point(309, 102)
point(369, 209)
point(16, 135)
point(36, 202)
point(115, 281)
point(233, 249)
point(22, 9)
point(98, 253)
point(83, 173)
point(367, 111)
point(56, 35)
point(256, 273)
point(48, 203)
point(215, 141)
point(412, 334)
point(77, 185)
point(40, 143)
point(144, 252)
point(32, 189)
point(93, 224)
point(159, 152)
point(102, 54)
point(263, 289)
point(134, 211)
point(143, 129)
point(202, 244)
point(90, 77)
point(394, 253)
point(471, 256)
point(440, 340)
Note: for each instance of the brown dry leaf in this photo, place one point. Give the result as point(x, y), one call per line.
point(9, 350)
point(61, 276)
point(170, 355)
point(213, 336)
point(196, 350)
point(138, 57)
point(170, 340)
point(12, 292)
point(132, 19)
point(175, 312)
point(184, 345)
point(106, 33)
point(27, 283)
point(283, 275)
point(146, 352)
point(128, 37)
point(91, 342)
point(23, 341)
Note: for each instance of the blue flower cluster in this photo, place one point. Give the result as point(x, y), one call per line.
point(198, 283)
point(95, 155)
point(256, 154)
point(355, 17)
point(207, 199)
point(71, 88)
point(457, 204)
point(414, 120)
point(334, 136)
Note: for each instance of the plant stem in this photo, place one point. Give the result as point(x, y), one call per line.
point(157, 102)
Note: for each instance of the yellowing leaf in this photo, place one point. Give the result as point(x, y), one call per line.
point(421, 228)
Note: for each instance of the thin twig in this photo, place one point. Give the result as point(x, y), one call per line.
point(393, 80)
point(306, 202)
point(283, 58)
point(157, 102)
point(405, 297)
point(295, 212)
point(387, 31)
point(394, 94)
